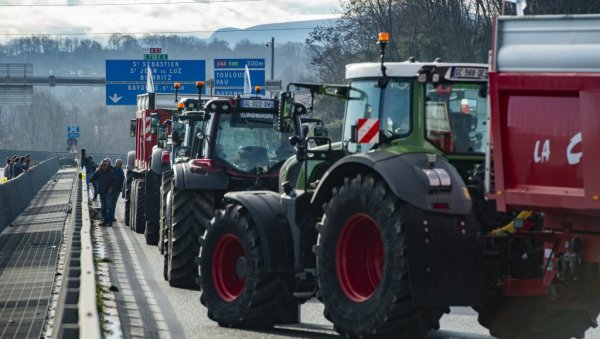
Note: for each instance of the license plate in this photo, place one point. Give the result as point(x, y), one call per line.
point(249, 103)
point(470, 73)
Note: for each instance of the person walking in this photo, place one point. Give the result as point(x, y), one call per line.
point(118, 186)
point(106, 179)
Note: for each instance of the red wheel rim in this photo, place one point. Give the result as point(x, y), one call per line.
point(359, 257)
point(225, 278)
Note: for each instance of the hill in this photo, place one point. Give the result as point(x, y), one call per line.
point(296, 31)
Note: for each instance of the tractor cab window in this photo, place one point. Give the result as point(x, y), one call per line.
point(248, 142)
point(455, 117)
point(388, 108)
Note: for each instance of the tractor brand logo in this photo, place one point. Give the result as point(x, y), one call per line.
point(367, 131)
point(265, 116)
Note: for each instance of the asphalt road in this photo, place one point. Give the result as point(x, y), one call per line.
point(148, 307)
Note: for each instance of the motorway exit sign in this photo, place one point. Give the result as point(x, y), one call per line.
point(125, 79)
point(156, 57)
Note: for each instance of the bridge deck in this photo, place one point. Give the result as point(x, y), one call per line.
point(28, 256)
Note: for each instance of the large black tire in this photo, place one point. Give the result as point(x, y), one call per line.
point(363, 227)
point(191, 212)
point(139, 225)
point(532, 317)
point(236, 289)
point(165, 187)
point(126, 215)
point(167, 235)
point(133, 198)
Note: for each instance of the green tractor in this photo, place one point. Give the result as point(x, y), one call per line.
point(378, 226)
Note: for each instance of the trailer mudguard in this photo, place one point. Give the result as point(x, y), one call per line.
point(186, 176)
point(156, 164)
point(272, 226)
point(404, 175)
point(130, 160)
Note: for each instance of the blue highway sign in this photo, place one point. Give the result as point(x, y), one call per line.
point(125, 79)
point(229, 75)
point(72, 132)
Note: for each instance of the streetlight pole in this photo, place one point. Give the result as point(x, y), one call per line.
point(272, 58)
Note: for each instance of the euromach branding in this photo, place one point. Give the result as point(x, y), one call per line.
point(265, 116)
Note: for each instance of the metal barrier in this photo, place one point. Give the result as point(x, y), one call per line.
point(16, 194)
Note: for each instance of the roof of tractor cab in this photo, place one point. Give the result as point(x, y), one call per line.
point(397, 69)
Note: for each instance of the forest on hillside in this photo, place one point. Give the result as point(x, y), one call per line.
point(454, 30)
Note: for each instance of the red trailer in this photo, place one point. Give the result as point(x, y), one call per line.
point(543, 275)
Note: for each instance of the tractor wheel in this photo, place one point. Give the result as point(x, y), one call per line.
point(362, 264)
point(167, 235)
point(127, 199)
point(532, 317)
point(165, 187)
point(140, 208)
point(191, 212)
point(236, 289)
point(134, 189)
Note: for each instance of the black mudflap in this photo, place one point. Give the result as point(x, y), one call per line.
point(445, 258)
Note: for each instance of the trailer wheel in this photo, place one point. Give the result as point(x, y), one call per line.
point(165, 187)
point(362, 264)
point(127, 199)
point(134, 188)
point(236, 290)
point(191, 211)
point(139, 212)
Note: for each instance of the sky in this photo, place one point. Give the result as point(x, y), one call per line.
point(99, 18)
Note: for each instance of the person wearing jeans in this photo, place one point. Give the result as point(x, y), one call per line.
point(105, 177)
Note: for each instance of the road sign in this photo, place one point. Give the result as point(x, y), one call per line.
point(72, 132)
point(125, 79)
point(229, 75)
point(156, 57)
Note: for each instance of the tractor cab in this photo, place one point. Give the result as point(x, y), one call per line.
point(242, 137)
point(438, 107)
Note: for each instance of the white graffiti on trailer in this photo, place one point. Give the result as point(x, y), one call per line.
point(573, 158)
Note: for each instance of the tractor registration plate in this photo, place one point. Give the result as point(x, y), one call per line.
point(253, 103)
point(469, 73)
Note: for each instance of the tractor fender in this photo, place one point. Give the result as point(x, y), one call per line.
point(405, 178)
point(130, 160)
point(186, 176)
point(273, 229)
point(156, 164)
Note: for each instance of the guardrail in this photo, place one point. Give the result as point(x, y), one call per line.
point(77, 310)
point(16, 194)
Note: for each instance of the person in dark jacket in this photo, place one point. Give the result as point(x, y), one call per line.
point(17, 168)
point(118, 186)
point(106, 179)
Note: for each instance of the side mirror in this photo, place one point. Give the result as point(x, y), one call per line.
point(154, 122)
point(284, 113)
point(132, 128)
point(162, 133)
